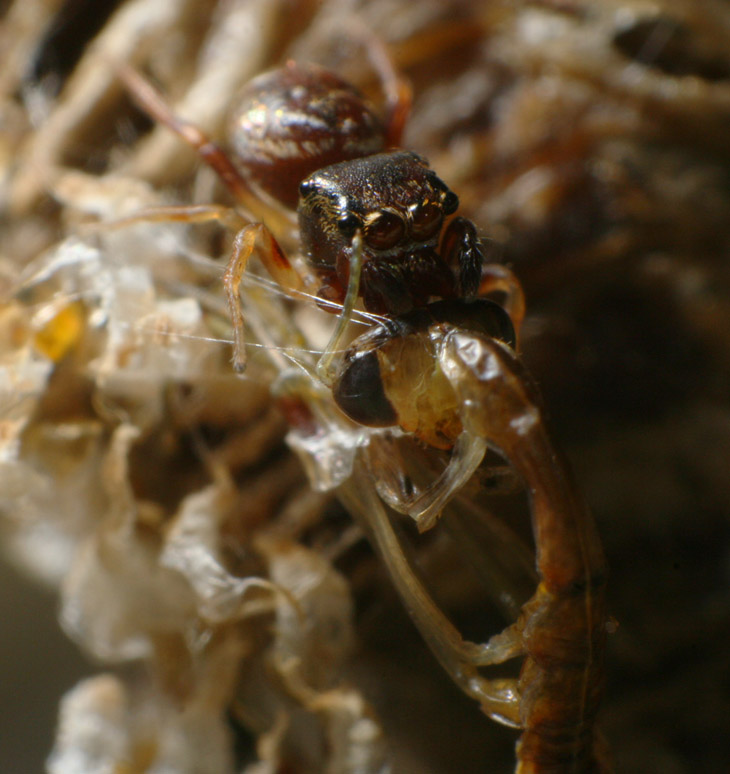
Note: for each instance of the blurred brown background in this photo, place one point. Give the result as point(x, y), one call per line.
point(591, 141)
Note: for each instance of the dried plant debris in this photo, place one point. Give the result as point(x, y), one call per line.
point(242, 622)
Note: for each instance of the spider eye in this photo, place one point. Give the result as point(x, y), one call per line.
point(306, 187)
point(348, 225)
point(384, 231)
point(450, 203)
point(427, 220)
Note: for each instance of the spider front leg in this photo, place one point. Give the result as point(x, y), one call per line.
point(250, 238)
point(254, 237)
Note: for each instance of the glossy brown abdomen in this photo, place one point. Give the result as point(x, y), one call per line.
point(293, 121)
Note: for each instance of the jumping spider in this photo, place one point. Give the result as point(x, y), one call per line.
point(372, 220)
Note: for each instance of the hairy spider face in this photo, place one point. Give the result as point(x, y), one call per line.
point(394, 199)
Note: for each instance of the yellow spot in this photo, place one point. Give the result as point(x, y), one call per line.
point(60, 332)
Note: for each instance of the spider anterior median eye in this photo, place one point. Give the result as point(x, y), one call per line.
point(385, 231)
point(426, 220)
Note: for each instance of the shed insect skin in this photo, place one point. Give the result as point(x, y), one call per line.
point(479, 387)
point(378, 225)
point(564, 624)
